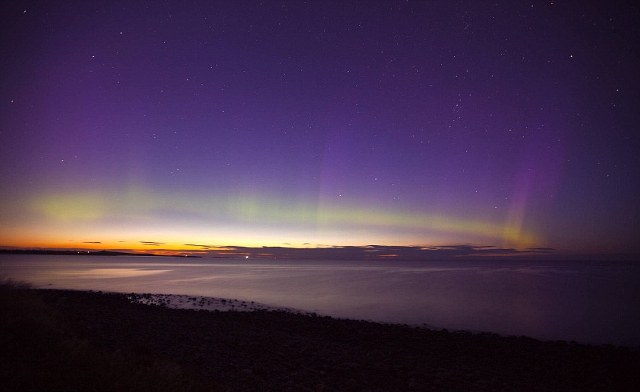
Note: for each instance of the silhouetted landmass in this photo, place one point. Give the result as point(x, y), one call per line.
point(78, 252)
point(350, 253)
point(73, 340)
point(372, 252)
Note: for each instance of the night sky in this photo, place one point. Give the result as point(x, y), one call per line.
point(194, 124)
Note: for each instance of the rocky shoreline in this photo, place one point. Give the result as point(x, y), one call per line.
point(75, 340)
point(211, 304)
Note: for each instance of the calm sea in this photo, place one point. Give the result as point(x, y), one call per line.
point(590, 302)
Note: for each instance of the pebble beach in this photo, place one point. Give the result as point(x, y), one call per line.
point(81, 340)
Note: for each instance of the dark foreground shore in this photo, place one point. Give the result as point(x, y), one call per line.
point(73, 340)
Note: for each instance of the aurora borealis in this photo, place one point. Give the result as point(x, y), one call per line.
point(169, 125)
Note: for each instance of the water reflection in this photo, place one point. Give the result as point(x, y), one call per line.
point(587, 302)
point(106, 273)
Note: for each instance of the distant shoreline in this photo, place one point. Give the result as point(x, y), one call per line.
point(374, 253)
point(84, 253)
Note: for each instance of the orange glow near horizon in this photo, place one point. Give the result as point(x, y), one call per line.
point(142, 221)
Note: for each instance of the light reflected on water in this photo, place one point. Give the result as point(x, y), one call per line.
point(107, 273)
